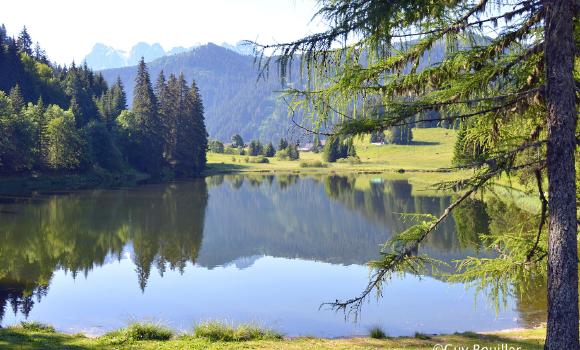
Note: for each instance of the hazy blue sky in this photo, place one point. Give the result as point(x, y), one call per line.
point(68, 29)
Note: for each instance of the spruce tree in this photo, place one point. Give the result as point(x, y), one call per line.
point(24, 42)
point(16, 100)
point(200, 130)
point(147, 155)
point(269, 151)
point(282, 144)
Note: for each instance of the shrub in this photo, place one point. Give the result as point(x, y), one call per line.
point(34, 326)
point(219, 331)
point(422, 336)
point(140, 331)
point(289, 153)
point(313, 164)
point(377, 333)
point(259, 159)
point(350, 160)
point(255, 148)
point(216, 146)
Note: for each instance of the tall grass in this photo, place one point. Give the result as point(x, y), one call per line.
point(220, 331)
point(140, 331)
point(34, 326)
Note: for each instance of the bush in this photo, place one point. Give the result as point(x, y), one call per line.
point(33, 326)
point(350, 160)
point(422, 336)
point(377, 333)
point(216, 146)
point(289, 153)
point(259, 159)
point(313, 164)
point(140, 331)
point(219, 331)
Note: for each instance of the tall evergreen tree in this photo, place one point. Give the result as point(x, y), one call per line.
point(200, 131)
point(517, 86)
point(147, 142)
point(24, 42)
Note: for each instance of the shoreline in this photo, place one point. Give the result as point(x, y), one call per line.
point(40, 336)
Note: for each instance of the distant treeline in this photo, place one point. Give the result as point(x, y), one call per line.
point(67, 120)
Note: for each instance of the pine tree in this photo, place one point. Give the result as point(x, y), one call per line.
point(16, 100)
point(269, 151)
point(282, 144)
point(24, 42)
point(165, 108)
point(148, 147)
point(200, 130)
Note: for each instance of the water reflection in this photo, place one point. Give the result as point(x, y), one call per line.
point(230, 220)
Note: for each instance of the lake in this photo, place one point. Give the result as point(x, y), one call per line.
point(239, 248)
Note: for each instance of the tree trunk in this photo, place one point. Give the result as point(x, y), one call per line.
point(562, 332)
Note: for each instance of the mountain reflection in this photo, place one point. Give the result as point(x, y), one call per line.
point(217, 221)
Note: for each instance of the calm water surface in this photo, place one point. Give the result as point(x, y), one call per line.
point(260, 249)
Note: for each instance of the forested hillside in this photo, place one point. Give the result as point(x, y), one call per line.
point(65, 120)
point(235, 101)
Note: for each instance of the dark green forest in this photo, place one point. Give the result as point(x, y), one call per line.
point(60, 120)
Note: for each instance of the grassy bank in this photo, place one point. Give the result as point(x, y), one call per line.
point(222, 337)
point(432, 150)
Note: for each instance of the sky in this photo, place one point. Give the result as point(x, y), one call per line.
point(68, 29)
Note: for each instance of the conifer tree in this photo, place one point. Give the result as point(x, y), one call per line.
point(165, 103)
point(24, 42)
point(519, 89)
point(282, 144)
point(200, 131)
point(147, 152)
point(269, 151)
point(16, 100)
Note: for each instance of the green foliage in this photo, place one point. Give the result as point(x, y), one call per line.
point(255, 148)
point(258, 159)
point(148, 148)
point(34, 326)
point(102, 149)
point(219, 331)
point(313, 164)
point(289, 153)
point(427, 62)
point(467, 150)
point(269, 151)
point(65, 148)
point(282, 144)
point(377, 333)
point(216, 146)
point(237, 141)
point(337, 148)
point(37, 140)
point(140, 332)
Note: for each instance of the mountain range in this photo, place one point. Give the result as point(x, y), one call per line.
point(107, 57)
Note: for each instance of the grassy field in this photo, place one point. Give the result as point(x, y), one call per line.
point(432, 150)
point(32, 338)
